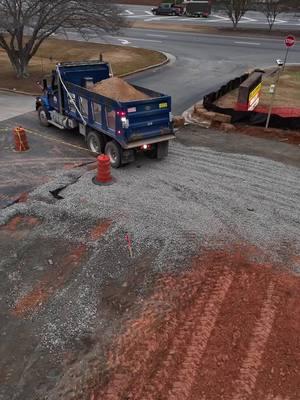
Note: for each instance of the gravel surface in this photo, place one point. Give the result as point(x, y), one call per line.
point(197, 198)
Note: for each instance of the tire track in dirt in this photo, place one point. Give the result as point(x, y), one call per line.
point(144, 333)
point(233, 168)
point(283, 344)
point(237, 180)
point(184, 382)
point(172, 339)
point(246, 165)
point(241, 188)
point(249, 371)
point(225, 350)
point(204, 334)
point(167, 366)
point(210, 176)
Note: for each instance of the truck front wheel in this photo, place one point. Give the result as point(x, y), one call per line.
point(95, 142)
point(114, 151)
point(43, 116)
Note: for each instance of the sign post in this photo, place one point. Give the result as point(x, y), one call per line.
point(289, 42)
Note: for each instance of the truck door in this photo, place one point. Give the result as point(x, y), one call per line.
point(55, 96)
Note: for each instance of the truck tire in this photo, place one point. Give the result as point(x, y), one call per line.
point(114, 151)
point(95, 142)
point(43, 116)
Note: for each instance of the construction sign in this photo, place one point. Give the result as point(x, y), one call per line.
point(249, 92)
point(254, 97)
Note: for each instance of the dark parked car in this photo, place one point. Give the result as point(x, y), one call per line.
point(167, 9)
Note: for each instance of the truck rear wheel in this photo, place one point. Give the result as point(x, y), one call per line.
point(114, 151)
point(95, 142)
point(43, 116)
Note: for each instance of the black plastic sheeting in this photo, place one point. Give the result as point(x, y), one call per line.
point(247, 117)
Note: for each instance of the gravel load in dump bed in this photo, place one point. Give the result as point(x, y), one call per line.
point(118, 89)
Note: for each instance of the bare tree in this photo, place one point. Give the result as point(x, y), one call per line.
point(271, 9)
point(25, 24)
point(235, 9)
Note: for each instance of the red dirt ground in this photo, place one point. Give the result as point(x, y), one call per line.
point(99, 230)
point(228, 329)
point(19, 226)
point(50, 282)
point(280, 135)
point(282, 111)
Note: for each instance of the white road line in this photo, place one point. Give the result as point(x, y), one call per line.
point(249, 43)
point(160, 18)
point(154, 35)
point(129, 12)
point(124, 41)
point(211, 20)
point(199, 21)
point(136, 16)
point(250, 19)
point(220, 17)
point(149, 12)
point(143, 40)
point(280, 21)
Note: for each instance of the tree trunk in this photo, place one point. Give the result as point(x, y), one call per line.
point(271, 23)
point(20, 64)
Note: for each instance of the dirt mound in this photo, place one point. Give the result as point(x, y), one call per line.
point(118, 89)
point(227, 329)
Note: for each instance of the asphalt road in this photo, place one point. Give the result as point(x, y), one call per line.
point(200, 63)
point(12, 104)
point(250, 19)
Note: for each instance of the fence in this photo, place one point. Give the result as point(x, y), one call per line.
point(247, 117)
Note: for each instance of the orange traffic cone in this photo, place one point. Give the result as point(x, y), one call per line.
point(20, 138)
point(103, 176)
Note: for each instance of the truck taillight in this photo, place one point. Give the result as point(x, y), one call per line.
point(125, 123)
point(121, 113)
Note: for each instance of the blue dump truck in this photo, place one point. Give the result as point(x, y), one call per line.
point(119, 129)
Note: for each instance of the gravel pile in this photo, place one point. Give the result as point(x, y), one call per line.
point(195, 197)
point(118, 89)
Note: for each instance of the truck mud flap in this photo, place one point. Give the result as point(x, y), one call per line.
point(162, 150)
point(128, 156)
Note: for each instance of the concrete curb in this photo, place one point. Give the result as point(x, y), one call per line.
point(169, 59)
